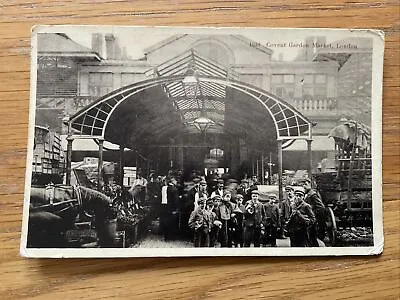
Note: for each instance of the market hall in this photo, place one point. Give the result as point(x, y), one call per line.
point(190, 107)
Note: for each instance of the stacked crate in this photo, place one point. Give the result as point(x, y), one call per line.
point(48, 156)
point(129, 176)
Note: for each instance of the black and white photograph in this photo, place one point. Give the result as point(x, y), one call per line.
point(173, 141)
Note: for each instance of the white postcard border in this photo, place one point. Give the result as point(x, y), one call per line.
point(376, 128)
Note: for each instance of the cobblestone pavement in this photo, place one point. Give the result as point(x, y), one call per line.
point(157, 241)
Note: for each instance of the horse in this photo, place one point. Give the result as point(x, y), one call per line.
point(54, 209)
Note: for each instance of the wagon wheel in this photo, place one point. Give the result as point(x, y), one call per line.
point(330, 227)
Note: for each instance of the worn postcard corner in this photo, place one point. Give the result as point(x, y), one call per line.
point(167, 141)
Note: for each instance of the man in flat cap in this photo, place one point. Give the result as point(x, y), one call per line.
point(197, 191)
point(244, 189)
point(200, 221)
point(254, 180)
point(314, 199)
point(301, 219)
point(271, 221)
point(254, 218)
point(200, 191)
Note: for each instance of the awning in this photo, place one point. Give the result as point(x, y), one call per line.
point(319, 143)
point(87, 145)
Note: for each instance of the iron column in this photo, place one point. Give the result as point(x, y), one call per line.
point(121, 165)
point(280, 183)
point(309, 152)
point(100, 162)
point(70, 139)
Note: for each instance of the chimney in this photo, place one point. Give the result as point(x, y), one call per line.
point(310, 51)
point(97, 43)
point(110, 46)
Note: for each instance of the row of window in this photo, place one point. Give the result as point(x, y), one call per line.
point(101, 83)
point(305, 79)
point(313, 85)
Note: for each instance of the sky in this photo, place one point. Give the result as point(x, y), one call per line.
point(136, 39)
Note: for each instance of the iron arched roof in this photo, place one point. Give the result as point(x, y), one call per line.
point(165, 114)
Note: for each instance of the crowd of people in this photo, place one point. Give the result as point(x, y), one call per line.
point(212, 211)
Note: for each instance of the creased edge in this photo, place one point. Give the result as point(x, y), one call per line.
point(378, 248)
point(379, 33)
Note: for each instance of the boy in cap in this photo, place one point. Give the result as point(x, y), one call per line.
point(202, 192)
point(237, 224)
point(224, 212)
point(286, 207)
point(200, 222)
point(214, 234)
point(301, 219)
point(271, 221)
point(253, 220)
point(215, 223)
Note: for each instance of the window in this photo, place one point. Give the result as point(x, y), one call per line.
point(308, 79)
point(283, 85)
point(279, 91)
point(100, 83)
point(277, 78)
point(130, 78)
point(284, 92)
point(314, 86)
point(320, 92)
point(308, 92)
point(320, 78)
point(288, 78)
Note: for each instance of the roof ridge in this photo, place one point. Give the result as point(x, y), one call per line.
point(64, 35)
point(163, 43)
point(252, 43)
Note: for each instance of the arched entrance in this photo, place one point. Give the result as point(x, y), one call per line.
point(142, 116)
point(192, 105)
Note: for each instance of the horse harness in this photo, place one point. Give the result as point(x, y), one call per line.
point(60, 205)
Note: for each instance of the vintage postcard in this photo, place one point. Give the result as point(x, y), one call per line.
point(168, 141)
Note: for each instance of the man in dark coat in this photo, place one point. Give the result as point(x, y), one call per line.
point(189, 204)
point(244, 190)
point(286, 207)
point(220, 189)
point(314, 199)
point(254, 182)
point(254, 218)
point(172, 210)
point(301, 219)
